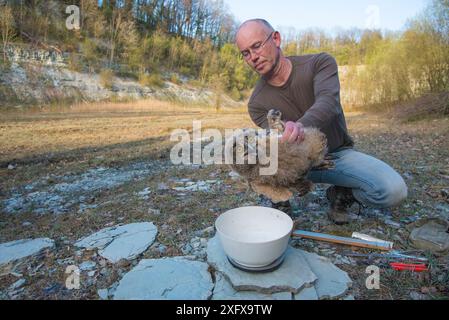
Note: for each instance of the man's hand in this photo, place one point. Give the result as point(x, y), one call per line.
point(293, 132)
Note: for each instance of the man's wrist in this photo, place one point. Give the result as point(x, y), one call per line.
point(299, 123)
point(306, 122)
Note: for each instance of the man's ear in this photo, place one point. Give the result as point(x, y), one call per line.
point(277, 38)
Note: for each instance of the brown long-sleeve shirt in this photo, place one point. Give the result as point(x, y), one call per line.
point(311, 96)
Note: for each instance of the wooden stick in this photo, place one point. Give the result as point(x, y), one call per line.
point(340, 240)
point(366, 237)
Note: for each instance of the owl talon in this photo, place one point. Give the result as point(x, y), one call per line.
point(325, 165)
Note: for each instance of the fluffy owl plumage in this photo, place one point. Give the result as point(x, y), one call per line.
point(295, 160)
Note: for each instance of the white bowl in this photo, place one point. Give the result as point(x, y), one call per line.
point(254, 236)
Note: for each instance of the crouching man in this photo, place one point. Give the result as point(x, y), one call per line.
point(306, 89)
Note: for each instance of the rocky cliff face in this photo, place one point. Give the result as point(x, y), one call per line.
point(39, 77)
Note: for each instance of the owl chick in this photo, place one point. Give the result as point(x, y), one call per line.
point(295, 160)
point(274, 120)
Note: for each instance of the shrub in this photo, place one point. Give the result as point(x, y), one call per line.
point(185, 71)
point(175, 79)
point(235, 94)
point(75, 62)
point(196, 83)
point(5, 65)
point(106, 78)
point(151, 80)
point(427, 106)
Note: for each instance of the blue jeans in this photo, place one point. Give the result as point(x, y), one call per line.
point(373, 182)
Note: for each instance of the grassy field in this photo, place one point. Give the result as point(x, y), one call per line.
point(48, 146)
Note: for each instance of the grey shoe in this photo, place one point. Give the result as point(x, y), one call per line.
point(341, 199)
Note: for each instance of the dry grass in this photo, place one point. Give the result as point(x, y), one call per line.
point(85, 136)
point(428, 106)
point(27, 137)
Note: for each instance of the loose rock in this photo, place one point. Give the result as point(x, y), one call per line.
point(431, 234)
point(168, 278)
point(17, 284)
point(223, 290)
point(87, 266)
point(18, 249)
point(123, 242)
point(293, 275)
point(103, 294)
point(332, 282)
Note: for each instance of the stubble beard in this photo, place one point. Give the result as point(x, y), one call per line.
point(274, 68)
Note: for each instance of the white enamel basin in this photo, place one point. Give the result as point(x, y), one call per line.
point(254, 236)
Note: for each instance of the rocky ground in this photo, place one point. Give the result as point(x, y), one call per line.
point(63, 202)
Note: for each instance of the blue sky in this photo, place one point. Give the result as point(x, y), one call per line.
point(328, 14)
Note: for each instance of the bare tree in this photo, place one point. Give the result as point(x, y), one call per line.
point(6, 27)
point(120, 30)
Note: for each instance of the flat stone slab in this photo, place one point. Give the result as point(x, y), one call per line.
point(431, 234)
point(14, 250)
point(121, 242)
point(166, 279)
point(223, 290)
point(292, 276)
point(332, 282)
point(306, 294)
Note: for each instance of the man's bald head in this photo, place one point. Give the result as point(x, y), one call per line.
point(260, 45)
point(255, 24)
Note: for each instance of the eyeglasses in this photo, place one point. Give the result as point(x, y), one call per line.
point(255, 48)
